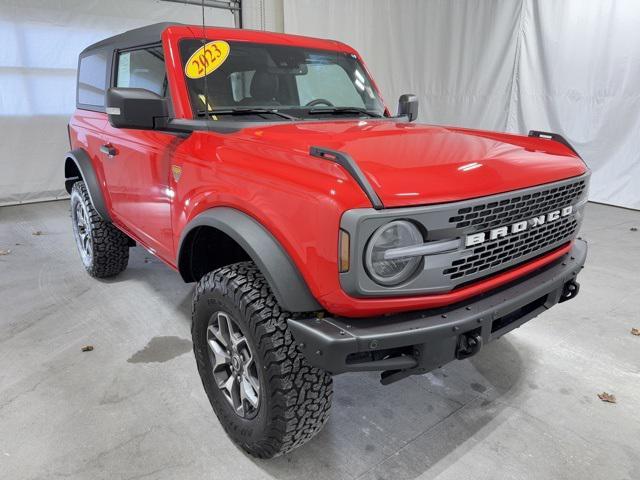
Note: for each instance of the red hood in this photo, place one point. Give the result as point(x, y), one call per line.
point(413, 164)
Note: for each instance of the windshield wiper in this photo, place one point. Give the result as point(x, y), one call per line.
point(246, 111)
point(340, 110)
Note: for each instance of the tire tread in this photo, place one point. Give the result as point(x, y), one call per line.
point(110, 245)
point(300, 395)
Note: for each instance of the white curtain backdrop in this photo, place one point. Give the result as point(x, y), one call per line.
point(40, 42)
point(567, 66)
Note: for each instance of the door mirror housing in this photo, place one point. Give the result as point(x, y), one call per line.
point(408, 106)
point(136, 108)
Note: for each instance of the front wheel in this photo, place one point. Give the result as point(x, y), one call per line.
point(267, 397)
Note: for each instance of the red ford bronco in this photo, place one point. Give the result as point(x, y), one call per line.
point(325, 235)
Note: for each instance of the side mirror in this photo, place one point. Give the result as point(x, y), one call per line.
point(136, 108)
point(408, 106)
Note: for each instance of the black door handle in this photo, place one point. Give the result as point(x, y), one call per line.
point(108, 150)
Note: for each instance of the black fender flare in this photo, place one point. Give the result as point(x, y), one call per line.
point(83, 163)
point(283, 277)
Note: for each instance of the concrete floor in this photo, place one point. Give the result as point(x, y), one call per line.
point(526, 407)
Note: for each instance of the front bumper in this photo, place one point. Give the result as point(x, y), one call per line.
point(417, 342)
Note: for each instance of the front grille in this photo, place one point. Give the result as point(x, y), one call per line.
point(493, 254)
point(447, 271)
point(519, 207)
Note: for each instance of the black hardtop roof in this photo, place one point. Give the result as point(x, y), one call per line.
point(132, 38)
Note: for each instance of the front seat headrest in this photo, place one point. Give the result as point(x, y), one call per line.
point(264, 86)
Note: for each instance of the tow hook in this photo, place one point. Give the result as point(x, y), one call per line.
point(570, 290)
point(469, 344)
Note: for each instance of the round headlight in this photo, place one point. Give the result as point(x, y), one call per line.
point(396, 234)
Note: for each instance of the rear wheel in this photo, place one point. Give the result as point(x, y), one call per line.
point(103, 248)
point(267, 397)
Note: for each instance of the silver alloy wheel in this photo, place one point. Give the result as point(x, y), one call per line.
point(82, 232)
point(234, 369)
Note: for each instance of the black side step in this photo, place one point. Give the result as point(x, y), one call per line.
point(349, 164)
point(556, 137)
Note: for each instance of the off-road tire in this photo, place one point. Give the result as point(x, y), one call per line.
point(110, 247)
point(295, 397)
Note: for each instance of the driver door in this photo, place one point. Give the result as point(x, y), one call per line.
point(137, 163)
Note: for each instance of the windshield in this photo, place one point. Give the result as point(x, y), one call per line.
point(266, 82)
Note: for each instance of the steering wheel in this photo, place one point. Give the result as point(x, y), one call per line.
point(319, 101)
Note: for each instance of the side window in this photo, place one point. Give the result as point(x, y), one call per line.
point(142, 69)
point(92, 79)
point(329, 82)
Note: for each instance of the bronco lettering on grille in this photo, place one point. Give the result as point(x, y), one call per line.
point(478, 238)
